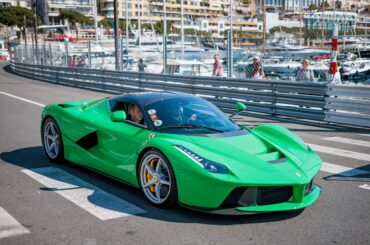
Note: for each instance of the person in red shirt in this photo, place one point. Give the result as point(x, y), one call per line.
point(217, 67)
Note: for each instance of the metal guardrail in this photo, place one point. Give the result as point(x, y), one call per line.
point(348, 105)
point(317, 101)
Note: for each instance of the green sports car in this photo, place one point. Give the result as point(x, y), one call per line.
point(181, 148)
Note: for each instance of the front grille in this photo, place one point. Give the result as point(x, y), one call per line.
point(258, 195)
point(274, 194)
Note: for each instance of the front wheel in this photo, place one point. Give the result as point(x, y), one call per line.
point(157, 179)
point(52, 140)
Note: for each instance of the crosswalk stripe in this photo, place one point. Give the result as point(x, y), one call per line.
point(365, 186)
point(340, 152)
point(368, 135)
point(349, 141)
point(94, 200)
point(341, 170)
point(10, 226)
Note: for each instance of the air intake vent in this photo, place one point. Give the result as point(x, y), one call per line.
point(277, 161)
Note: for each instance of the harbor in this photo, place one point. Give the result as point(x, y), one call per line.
point(281, 57)
point(278, 43)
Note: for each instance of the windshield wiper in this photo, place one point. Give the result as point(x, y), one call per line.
point(192, 126)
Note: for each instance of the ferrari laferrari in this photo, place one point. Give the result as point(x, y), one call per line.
point(179, 148)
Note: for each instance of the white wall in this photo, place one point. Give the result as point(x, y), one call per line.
point(272, 20)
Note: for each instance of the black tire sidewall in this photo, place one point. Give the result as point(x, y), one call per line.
point(60, 156)
point(172, 197)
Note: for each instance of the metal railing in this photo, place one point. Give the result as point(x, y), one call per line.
point(327, 102)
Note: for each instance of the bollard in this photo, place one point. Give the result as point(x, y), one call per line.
point(333, 63)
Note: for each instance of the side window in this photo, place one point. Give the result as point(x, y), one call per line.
point(135, 115)
point(133, 112)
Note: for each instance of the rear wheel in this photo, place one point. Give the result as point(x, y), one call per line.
point(52, 140)
point(157, 179)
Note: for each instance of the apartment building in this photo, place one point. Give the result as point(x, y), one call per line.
point(318, 20)
point(49, 10)
point(153, 10)
point(18, 3)
point(288, 5)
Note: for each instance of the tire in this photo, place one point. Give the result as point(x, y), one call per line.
point(51, 135)
point(163, 190)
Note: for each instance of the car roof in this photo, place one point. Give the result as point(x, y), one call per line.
point(144, 98)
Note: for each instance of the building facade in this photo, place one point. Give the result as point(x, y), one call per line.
point(288, 5)
point(153, 10)
point(18, 3)
point(49, 10)
point(318, 20)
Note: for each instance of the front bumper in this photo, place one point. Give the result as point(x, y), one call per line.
point(306, 201)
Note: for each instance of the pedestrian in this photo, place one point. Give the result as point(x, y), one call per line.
point(258, 72)
point(217, 67)
point(304, 73)
point(74, 61)
point(255, 70)
point(103, 64)
point(81, 62)
point(141, 66)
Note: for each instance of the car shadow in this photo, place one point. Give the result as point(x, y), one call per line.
point(360, 174)
point(34, 157)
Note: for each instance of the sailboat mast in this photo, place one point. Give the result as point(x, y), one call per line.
point(300, 22)
point(126, 15)
point(95, 20)
point(139, 22)
point(182, 29)
point(164, 40)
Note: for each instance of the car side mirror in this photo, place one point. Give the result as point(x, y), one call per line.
point(240, 107)
point(118, 116)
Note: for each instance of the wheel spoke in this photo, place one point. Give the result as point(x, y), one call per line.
point(158, 192)
point(52, 146)
point(53, 130)
point(158, 167)
point(151, 182)
point(50, 137)
point(151, 171)
point(164, 182)
point(56, 148)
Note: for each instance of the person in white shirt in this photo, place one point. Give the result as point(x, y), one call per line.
point(305, 74)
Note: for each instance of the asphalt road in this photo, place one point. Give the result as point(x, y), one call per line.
point(32, 213)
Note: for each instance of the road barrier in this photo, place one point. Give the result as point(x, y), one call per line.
point(327, 102)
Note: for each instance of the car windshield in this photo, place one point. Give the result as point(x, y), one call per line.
point(188, 115)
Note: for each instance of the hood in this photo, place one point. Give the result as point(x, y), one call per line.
point(250, 154)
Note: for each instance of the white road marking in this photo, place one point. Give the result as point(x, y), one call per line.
point(23, 99)
point(341, 170)
point(10, 226)
point(349, 141)
point(94, 200)
point(365, 186)
point(340, 152)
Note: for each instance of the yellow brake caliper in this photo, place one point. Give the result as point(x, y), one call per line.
point(149, 177)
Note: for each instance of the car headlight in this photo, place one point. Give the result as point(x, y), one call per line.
point(204, 163)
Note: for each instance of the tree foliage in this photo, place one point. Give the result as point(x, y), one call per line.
point(312, 6)
point(75, 17)
point(324, 5)
point(106, 23)
point(14, 16)
point(306, 33)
